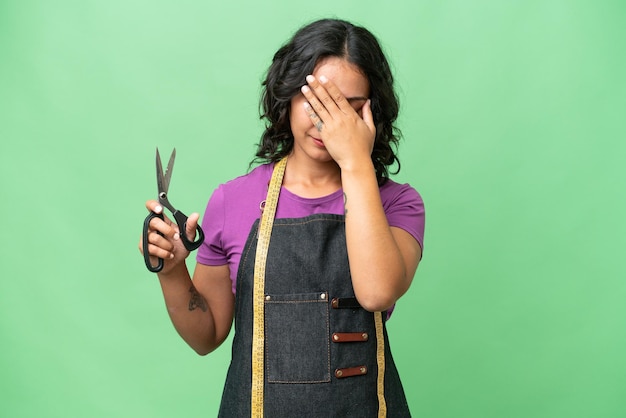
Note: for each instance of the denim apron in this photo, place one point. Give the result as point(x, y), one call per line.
point(324, 354)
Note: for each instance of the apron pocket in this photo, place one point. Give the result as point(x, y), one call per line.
point(297, 347)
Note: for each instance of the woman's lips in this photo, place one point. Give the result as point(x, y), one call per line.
point(318, 142)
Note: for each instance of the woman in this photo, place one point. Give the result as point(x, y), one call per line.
point(345, 241)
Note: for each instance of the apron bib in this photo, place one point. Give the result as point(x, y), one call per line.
point(324, 356)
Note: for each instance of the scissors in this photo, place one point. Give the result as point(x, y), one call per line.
point(163, 183)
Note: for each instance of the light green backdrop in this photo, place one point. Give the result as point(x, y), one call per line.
point(513, 116)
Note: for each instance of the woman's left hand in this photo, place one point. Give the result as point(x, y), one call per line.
point(348, 137)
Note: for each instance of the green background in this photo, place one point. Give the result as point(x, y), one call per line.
point(513, 120)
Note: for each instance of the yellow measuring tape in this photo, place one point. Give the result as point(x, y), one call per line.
point(380, 360)
point(258, 293)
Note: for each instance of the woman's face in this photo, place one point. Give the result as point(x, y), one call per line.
point(354, 86)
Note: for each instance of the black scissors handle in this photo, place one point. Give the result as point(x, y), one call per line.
point(146, 253)
point(181, 220)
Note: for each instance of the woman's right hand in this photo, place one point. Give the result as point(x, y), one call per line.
point(168, 246)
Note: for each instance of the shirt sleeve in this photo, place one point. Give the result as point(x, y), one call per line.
point(404, 208)
point(211, 251)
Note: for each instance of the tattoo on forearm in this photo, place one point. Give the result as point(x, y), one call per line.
point(345, 203)
point(197, 300)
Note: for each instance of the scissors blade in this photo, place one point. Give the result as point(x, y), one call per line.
point(163, 179)
point(159, 173)
point(168, 170)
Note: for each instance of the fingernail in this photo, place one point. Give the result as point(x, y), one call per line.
point(305, 89)
point(171, 255)
point(158, 209)
point(176, 235)
point(310, 79)
point(323, 79)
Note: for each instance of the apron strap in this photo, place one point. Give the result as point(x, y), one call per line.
point(258, 301)
point(258, 332)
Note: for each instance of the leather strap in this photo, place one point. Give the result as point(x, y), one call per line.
point(350, 371)
point(345, 303)
point(349, 337)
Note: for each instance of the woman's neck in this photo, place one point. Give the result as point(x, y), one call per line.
point(311, 179)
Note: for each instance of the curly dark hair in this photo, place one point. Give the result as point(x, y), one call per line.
point(298, 58)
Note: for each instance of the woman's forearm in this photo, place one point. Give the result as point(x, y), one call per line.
point(379, 273)
point(200, 320)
